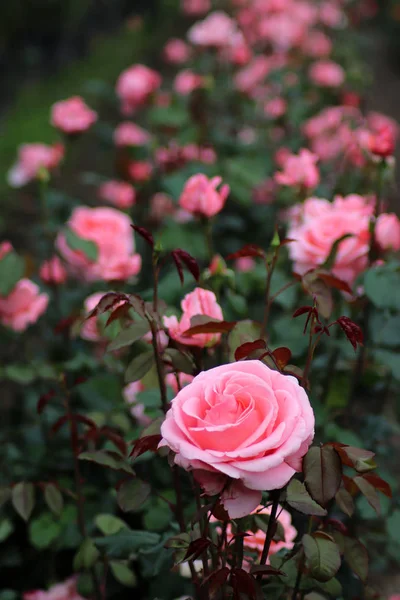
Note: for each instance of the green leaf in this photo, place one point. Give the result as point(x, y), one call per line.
point(322, 473)
point(44, 530)
point(356, 556)
point(126, 542)
point(393, 525)
point(322, 556)
point(86, 556)
point(129, 335)
point(298, 497)
point(108, 524)
point(158, 516)
point(5, 495)
point(23, 374)
point(139, 366)
point(382, 285)
point(369, 492)
point(180, 361)
point(87, 247)
point(12, 269)
point(244, 331)
point(53, 498)
point(123, 574)
point(132, 494)
point(107, 459)
point(170, 116)
point(23, 499)
point(332, 587)
point(6, 529)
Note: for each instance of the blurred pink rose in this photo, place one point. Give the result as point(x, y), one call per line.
point(111, 231)
point(72, 115)
point(387, 231)
point(135, 85)
point(90, 329)
point(161, 205)
point(330, 13)
point(215, 30)
point(61, 591)
point(317, 224)
point(275, 108)
point(5, 248)
point(252, 74)
point(200, 195)
point(327, 73)
point(198, 302)
point(317, 45)
point(137, 409)
point(299, 170)
point(195, 8)
point(53, 272)
point(242, 422)
point(23, 305)
point(140, 170)
point(244, 264)
point(184, 379)
point(119, 193)
point(129, 134)
point(32, 158)
point(382, 142)
point(162, 339)
point(176, 51)
point(186, 81)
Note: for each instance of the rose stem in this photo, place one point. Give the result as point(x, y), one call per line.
point(270, 270)
point(270, 529)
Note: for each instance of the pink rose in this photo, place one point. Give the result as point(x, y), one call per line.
point(129, 134)
point(61, 591)
point(119, 193)
point(255, 541)
point(186, 81)
point(184, 379)
point(299, 170)
point(195, 8)
point(387, 231)
point(215, 30)
point(161, 205)
point(90, 329)
point(111, 231)
point(242, 422)
point(244, 264)
point(382, 142)
point(317, 224)
point(198, 302)
point(31, 159)
point(135, 85)
point(317, 44)
point(5, 248)
point(140, 170)
point(176, 51)
point(275, 108)
point(23, 305)
point(72, 115)
point(200, 195)
point(53, 271)
point(248, 78)
point(327, 73)
point(137, 409)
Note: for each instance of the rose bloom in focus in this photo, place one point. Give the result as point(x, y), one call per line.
point(61, 591)
point(327, 73)
point(198, 302)
point(23, 306)
point(200, 195)
point(135, 85)
point(387, 232)
point(72, 116)
point(317, 224)
point(214, 31)
point(53, 272)
point(31, 159)
point(129, 134)
point(119, 193)
point(242, 428)
point(299, 170)
point(111, 231)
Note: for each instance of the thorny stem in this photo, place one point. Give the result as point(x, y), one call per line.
point(270, 529)
point(311, 349)
point(78, 485)
point(159, 367)
point(270, 270)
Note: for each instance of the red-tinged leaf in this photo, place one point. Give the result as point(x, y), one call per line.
point(349, 485)
point(250, 250)
point(338, 525)
point(286, 241)
point(334, 282)
point(216, 579)
point(248, 347)
point(116, 439)
point(379, 484)
point(243, 583)
point(345, 501)
point(323, 473)
point(121, 312)
point(58, 424)
point(138, 304)
point(211, 327)
point(196, 549)
point(189, 262)
point(179, 267)
point(143, 444)
point(370, 493)
point(302, 311)
point(107, 302)
point(85, 420)
point(358, 458)
point(282, 356)
point(266, 570)
point(146, 235)
point(351, 330)
point(44, 400)
point(219, 512)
